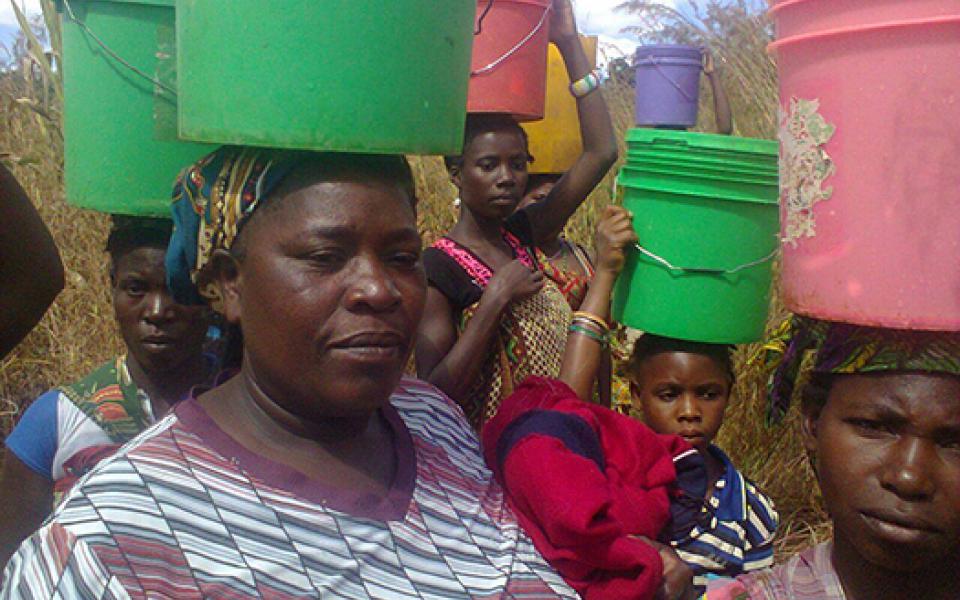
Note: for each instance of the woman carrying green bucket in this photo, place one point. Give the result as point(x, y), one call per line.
point(491, 318)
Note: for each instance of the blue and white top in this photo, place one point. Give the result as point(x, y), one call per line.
point(738, 538)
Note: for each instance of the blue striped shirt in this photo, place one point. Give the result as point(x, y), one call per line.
point(737, 534)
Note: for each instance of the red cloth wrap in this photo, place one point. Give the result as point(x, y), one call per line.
point(580, 518)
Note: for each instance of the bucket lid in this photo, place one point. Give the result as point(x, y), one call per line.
point(642, 183)
point(667, 50)
point(708, 141)
point(721, 165)
point(734, 173)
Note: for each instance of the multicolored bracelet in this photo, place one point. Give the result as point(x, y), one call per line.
point(582, 87)
point(593, 335)
point(599, 322)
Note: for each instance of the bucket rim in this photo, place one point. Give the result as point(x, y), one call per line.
point(761, 161)
point(779, 5)
point(667, 60)
point(744, 176)
point(702, 154)
point(709, 141)
point(160, 3)
point(872, 28)
point(724, 196)
point(681, 49)
point(772, 184)
point(540, 3)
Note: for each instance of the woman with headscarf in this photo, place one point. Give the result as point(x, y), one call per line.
point(318, 470)
point(492, 319)
point(66, 431)
point(881, 425)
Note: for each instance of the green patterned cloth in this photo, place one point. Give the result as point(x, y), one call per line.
point(843, 348)
point(111, 399)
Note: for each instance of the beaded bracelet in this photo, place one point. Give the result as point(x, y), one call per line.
point(593, 335)
point(582, 87)
point(596, 320)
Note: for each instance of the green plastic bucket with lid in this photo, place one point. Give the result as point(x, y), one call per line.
point(702, 270)
point(121, 153)
point(337, 75)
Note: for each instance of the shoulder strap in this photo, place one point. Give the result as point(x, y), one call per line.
point(468, 261)
point(109, 397)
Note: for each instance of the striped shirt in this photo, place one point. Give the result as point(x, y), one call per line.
point(808, 575)
point(184, 512)
point(738, 536)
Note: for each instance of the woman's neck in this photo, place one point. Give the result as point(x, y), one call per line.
point(862, 580)
point(164, 389)
point(349, 453)
point(272, 419)
point(471, 229)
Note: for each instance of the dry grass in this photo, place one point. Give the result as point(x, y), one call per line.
point(78, 332)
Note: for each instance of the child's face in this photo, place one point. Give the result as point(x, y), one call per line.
point(887, 451)
point(682, 394)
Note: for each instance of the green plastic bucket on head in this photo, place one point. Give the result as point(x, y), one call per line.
point(121, 153)
point(703, 268)
point(333, 75)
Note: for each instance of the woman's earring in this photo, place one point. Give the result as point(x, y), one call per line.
point(456, 202)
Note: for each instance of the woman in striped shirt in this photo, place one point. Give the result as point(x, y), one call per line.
point(318, 470)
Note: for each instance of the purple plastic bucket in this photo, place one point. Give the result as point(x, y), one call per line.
point(667, 85)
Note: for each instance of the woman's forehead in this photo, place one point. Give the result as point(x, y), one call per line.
point(916, 396)
point(325, 205)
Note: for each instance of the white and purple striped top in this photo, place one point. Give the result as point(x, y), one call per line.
point(184, 512)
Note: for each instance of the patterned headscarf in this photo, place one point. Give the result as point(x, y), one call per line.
point(211, 201)
point(843, 348)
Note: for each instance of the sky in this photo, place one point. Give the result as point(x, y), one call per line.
point(595, 17)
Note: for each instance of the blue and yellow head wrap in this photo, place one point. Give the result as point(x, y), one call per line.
point(211, 200)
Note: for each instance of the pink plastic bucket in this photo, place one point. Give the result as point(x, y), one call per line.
point(801, 17)
point(509, 70)
point(870, 135)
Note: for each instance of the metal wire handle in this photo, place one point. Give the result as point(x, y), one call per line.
point(479, 28)
point(519, 45)
point(110, 52)
point(702, 270)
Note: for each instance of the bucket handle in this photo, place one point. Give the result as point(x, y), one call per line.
point(479, 28)
point(705, 271)
point(520, 44)
point(656, 65)
point(110, 52)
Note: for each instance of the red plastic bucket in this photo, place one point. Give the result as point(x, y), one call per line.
point(869, 183)
point(509, 69)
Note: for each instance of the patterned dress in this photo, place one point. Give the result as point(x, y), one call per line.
point(573, 283)
point(67, 430)
point(532, 333)
point(185, 512)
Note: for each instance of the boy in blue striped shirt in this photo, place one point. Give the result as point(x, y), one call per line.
point(683, 388)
